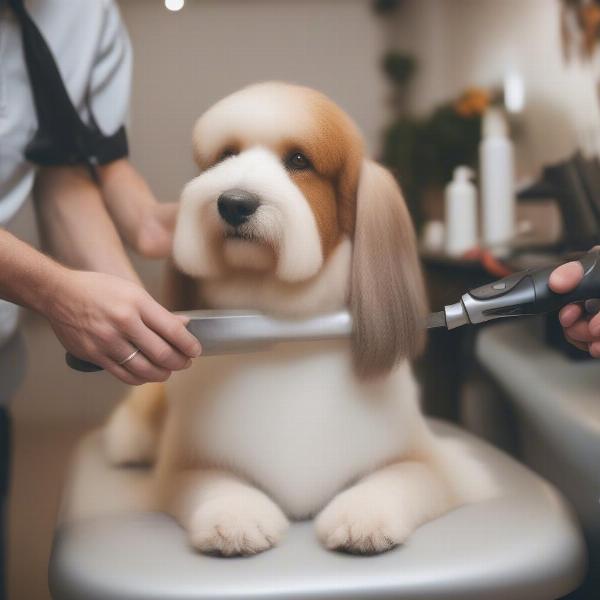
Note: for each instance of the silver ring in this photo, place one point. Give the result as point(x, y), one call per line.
point(130, 357)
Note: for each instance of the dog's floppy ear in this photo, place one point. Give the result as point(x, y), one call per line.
point(387, 296)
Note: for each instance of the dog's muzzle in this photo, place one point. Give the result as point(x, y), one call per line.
point(237, 206)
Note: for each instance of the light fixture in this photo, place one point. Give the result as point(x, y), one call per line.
point(174, 5)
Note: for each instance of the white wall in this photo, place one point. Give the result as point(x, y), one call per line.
point(185, 61)
point(476, 42)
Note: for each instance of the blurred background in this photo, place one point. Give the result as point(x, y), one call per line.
point(420, 77)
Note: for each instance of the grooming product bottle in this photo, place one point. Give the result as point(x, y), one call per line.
point(496, 160)
point(461, 213)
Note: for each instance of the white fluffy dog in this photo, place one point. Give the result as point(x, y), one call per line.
point(290, 218)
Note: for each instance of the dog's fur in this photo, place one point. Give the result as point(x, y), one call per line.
point(330, 429)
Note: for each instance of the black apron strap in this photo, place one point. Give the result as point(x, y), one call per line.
point(62, 138)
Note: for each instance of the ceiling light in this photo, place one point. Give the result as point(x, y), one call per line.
point(174, 5)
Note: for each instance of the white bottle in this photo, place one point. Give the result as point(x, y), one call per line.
point(461, 213)
point(496, 162)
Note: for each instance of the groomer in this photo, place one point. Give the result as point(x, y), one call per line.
point(65, 69)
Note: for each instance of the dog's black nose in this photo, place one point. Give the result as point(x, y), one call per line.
point(237, 206)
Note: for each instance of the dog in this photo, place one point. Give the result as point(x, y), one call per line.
point(289, 217)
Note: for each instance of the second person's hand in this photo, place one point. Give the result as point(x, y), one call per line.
point(581, 329)
point(104, 319)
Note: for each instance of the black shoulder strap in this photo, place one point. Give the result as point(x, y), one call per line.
point(62, 137)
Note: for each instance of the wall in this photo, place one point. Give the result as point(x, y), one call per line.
point(465, 42)
point(185, 61)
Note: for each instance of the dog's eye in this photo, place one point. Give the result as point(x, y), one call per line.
point(297, 162)
point(226, 154)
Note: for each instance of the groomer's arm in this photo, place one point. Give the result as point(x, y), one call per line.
point(581, 330)
point(74, 225)
point(143, 222)
point(98, 316)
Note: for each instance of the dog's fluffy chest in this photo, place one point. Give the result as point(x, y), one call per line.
point(294, 420)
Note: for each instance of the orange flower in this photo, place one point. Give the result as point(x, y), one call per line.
point(472, 102)
point(589, 16)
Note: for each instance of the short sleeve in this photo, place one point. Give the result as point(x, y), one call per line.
point(110, 83)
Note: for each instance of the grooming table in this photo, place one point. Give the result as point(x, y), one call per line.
point(110, 544)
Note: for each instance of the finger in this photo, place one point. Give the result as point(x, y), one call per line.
point(569, 314)
point(119, 372)
point(171, 328)
point(185, 319)
point(156, 349)
point(139, 366)
point(594, 325)
point(167, 212)
point(580, 331)
point(118, 349)
point(580, 345)
point(594, 349)
point(566, 277)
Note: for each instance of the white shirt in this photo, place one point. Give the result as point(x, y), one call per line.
point(92, 50)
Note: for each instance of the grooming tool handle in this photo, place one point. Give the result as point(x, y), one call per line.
point(588, 288)
point(81, 365)
point(528, 292)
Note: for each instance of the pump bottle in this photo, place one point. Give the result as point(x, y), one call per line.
point(496, 161)
point(461, 213)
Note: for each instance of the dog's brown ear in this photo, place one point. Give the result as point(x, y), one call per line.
point(180, 291)
point(387, 296)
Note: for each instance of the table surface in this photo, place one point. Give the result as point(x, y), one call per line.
point(520, 544)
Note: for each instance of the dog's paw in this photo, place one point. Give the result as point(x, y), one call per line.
point(237, 525)
point(129, 439)
point(361, 523)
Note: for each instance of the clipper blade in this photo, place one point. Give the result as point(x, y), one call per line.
point(436, 319)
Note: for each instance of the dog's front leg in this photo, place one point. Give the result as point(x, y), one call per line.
point(223, 514)
point(131, 434)
point(384, 508)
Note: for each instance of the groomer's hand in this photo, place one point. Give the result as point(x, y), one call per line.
point(154, 236)
point(103, 319)
point(144, 223)
point(581, 328)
